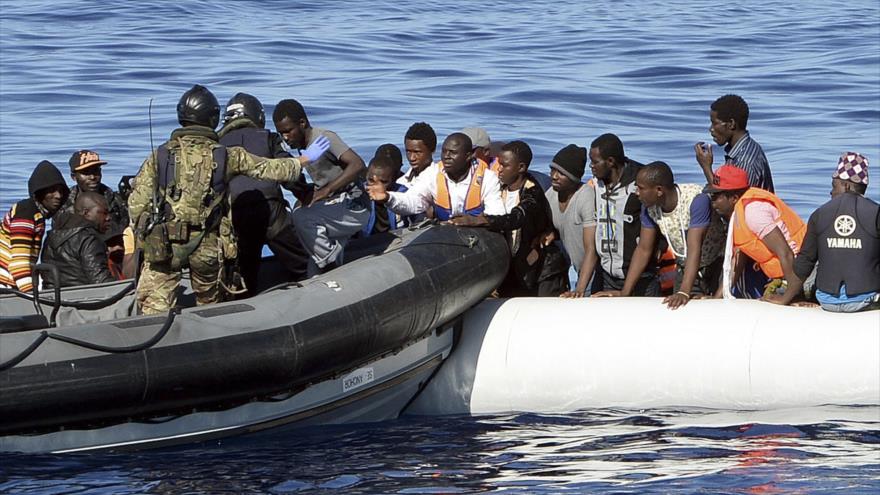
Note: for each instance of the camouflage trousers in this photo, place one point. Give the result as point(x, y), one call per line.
point(157, 288)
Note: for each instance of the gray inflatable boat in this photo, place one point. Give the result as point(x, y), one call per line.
point(355, 344)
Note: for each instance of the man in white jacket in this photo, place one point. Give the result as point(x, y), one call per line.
point(458, 185)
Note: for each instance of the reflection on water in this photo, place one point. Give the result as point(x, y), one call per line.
point(600, 451)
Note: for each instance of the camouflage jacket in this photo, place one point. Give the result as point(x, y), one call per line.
point(203, 140)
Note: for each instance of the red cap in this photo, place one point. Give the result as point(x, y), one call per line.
point(728, 178)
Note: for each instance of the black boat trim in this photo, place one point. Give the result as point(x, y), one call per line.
point(436, 360)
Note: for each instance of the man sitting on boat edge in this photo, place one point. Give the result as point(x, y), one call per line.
point(336, 209)
point(843, 237)
point(761, 228)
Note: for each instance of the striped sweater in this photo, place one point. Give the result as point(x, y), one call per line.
point(21, 235)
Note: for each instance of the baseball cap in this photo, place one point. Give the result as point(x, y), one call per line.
point(479, 136)
point(84, 159)
point(728, 178)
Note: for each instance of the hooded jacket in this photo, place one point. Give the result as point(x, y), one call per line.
point(74, 245)
point(21, 232)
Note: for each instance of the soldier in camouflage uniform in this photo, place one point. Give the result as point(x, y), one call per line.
point(260, 214)
point(180, 207)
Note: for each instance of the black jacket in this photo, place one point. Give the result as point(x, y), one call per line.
point(74, 245)
point(116, 206)
point(528, 220)
point(843, 236)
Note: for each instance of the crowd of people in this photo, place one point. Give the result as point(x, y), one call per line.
point(209, 200)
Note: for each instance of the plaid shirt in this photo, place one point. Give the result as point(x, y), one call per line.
point(748, 155)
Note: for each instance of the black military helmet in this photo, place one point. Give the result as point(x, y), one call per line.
point(198, 106)
point(245, 105)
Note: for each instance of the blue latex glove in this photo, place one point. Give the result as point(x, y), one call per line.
point(317, 148)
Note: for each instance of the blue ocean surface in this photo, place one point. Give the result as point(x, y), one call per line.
point(600, 451)
point(82, 74)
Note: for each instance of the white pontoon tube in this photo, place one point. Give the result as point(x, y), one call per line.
point(558, 355)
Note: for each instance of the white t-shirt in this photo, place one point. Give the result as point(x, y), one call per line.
point(511, 199)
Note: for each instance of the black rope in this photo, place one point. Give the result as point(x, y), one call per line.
point(122, 350)
point(44, 335)
point(89, 305)
point(25, 353)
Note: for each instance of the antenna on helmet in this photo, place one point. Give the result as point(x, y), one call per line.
point(150, 120)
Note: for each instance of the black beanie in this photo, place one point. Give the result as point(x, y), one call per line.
point(571, 161)
point(45, 176)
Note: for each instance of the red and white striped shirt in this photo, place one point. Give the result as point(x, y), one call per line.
point(21, 236)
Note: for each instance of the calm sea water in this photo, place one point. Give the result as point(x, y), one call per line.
point(81, 75)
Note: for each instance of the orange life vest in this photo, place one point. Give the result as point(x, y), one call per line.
point(666, 272)
point(746, 241)
point(473, 204)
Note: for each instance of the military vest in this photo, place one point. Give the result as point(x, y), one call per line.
point(192, 181)
point(256, 142)
point(193, 202)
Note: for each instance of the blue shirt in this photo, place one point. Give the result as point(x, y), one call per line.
point(748, 155)
point(842, 298)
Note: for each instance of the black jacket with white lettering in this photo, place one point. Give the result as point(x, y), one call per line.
point(843, 235)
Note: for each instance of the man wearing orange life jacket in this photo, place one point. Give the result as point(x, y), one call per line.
point(459, 185)
point(761, 226)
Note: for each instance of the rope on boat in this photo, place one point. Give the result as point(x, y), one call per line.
point(90, 305)
point(45, 335)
